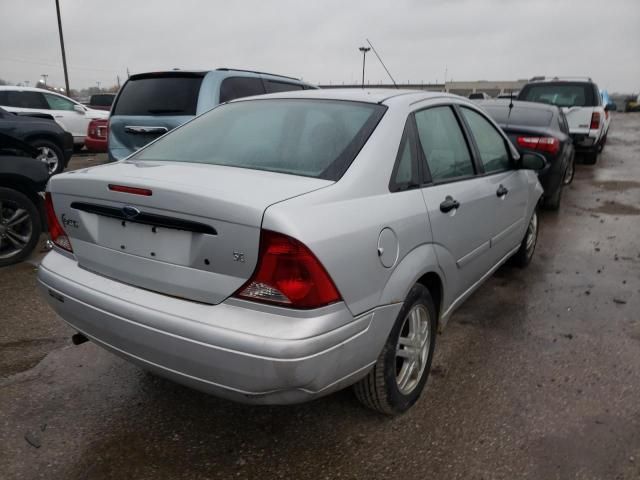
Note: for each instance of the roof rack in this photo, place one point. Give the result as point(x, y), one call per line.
point(542, 78)
point(254, 71)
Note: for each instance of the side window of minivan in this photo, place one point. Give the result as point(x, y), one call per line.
point(238, 87)
point(443, 144)
point(491, 145)
point(274, 86)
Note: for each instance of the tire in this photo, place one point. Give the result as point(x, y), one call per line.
point(393, 386)
point(51, 154)
point(523, 256)
point(590, 158)
point(603, 142)
point(570, 172)
point(553, 203)
point(18, 239)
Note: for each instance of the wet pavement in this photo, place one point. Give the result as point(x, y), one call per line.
point(537, 376)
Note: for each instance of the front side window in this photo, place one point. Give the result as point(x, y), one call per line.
point(443, 144)
point(58, 103)
point(239, 87)
point(491, 145)
point(315, 138)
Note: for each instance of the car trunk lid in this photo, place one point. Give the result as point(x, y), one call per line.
point(191, 230)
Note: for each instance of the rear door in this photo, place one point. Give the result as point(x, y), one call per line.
point(458, 201)
point(66, 116)
point(509, 186)
point(150, 105)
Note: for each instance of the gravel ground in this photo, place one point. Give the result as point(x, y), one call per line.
point(537, 376)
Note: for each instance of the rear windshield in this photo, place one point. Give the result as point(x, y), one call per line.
point(561, 94)
point(164, 95)
point(102, 100)
point(532, 117)
point(314, 138)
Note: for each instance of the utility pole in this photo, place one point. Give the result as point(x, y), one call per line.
point(64, 55)
point(364, 51)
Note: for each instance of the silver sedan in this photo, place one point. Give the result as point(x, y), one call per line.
point(279, 248)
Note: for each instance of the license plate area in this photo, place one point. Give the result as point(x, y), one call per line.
point(148, 241)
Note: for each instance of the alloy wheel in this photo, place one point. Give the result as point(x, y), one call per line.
point(568, 174)
point(49, 156)
point(16, 228)
point(412, 349)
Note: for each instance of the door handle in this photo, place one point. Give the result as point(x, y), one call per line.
point(502, 191)
point(449, 204)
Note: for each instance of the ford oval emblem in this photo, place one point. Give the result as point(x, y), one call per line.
point(130, 212)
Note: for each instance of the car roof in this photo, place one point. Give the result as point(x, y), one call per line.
point(223, 70)
point(504, 102)
point(30, 89)
point(370, 95)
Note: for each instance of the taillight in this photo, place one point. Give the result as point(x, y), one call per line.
point(542, 144)
point(595, 121)
point(288, 274)
point(57, 233)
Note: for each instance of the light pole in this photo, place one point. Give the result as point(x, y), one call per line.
point(364, 51)
point(64, 55)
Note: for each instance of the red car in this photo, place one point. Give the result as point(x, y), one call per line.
point(97, 134)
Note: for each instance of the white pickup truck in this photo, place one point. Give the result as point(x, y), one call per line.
point(581, 102)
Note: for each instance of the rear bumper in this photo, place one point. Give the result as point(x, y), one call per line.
point(95, 144)
point(585, 142)
point(236, 350)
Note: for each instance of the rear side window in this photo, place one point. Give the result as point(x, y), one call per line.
point(58, 103)
point(491, 145)
point(24, 99)
point(565, 94)
point(275, 86)
point(239, 87)
point(314, 138)
point(443, 144)
point(159, 95)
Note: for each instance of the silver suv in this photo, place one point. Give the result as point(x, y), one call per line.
point(282, 247)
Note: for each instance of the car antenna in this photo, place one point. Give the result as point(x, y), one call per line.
point(385, 67)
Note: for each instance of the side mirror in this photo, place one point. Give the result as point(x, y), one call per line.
point(79, 108)
point(532, 161)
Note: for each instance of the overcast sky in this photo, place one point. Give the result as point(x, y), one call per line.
point(319, 40)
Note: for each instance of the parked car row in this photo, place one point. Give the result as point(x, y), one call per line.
point(289, 243)
point(72, 116)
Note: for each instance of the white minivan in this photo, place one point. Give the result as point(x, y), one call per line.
point(69, 114)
